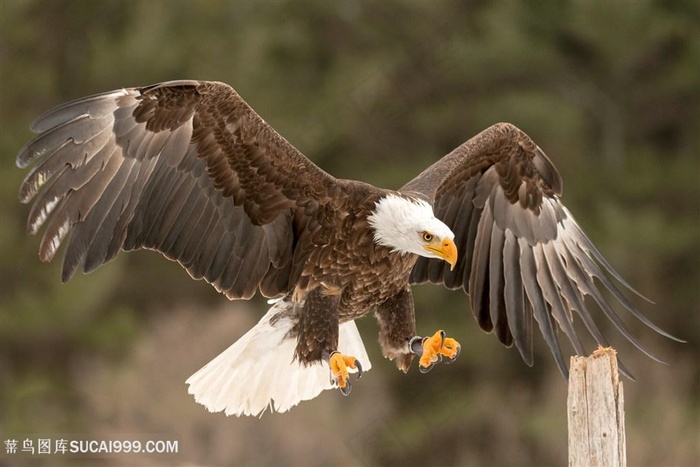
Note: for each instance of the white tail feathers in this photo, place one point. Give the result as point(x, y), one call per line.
point(259, 370)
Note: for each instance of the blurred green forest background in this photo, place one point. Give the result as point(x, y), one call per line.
point(375, 91)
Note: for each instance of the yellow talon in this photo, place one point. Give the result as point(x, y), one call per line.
point(450, 348)
point(435, 347)
point(339, 364)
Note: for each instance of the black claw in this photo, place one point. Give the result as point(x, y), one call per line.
point(451, 360)
point(426, 368)
point(359, 369)
point(348, 387)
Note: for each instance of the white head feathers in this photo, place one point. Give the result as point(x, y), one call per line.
point(407, 225)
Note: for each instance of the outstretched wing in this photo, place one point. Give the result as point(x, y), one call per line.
point(522, 254)
point(186, 168)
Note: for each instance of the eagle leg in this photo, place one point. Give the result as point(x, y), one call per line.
point(341, 367)
point(432, 349)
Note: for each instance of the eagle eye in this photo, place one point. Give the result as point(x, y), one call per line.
point(426, 236)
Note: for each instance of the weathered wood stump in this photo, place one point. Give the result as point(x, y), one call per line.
point(596, 411)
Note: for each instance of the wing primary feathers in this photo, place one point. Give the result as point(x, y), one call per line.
point(464, 238)
point(47, 168)
point(478, 279)
point(519, 316)
point(529, 274)
point(57, 159)
point(50, 198)
point(75, 203)
point(77, 245)
point(144, 170)
point(66, 184)
point(78, 130)
point(470, 244)
point(95, 106)
point(580, 238)
point(141, 224)
point(99, 244)
point(586, 285)
point(458, 211)
point(103, 214)
point(555, 252)
point(594, 271)
point(552, 296)
point(55, 232)
point(497, 287)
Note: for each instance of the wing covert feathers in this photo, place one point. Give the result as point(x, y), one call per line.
point(523, 257)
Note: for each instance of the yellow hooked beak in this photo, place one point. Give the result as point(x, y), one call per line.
point(445, 249)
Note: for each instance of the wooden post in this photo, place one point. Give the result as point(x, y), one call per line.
point(596, 411)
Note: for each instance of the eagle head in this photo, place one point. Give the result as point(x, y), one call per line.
point(408, 225)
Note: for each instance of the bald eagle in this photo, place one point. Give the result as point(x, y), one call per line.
point(188, 169)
